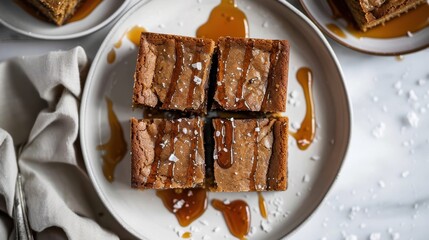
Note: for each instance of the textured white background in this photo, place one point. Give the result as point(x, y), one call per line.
point(383, 189)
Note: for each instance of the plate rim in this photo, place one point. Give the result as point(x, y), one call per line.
point(84, 101)
point(88, 31)
point(345, 44)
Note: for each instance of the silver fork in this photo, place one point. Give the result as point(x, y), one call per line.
point(22, 228)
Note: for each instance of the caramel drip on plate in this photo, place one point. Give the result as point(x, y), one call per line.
point(237, 216)
point(245, 69)
point(187, 235)
point(274, 57)
point(222, 72)
point(115, 148)
point(111, 56)
point(186, 204)
point(262, 205)
point(176, 74)
point(84, 10)
point(173, 132)
point(336, 30)
point(193, 157)
point(412, 21)
point(132, 34)
point(255, 158)
point(157, 161)
point(305, 134)
point(195, 71)
point(225, 20)
point(224, 141)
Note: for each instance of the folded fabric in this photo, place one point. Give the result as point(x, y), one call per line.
point(39, 99)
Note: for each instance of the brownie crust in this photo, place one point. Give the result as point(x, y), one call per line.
point(167, 153)
point(252, 75)
point(172, 72)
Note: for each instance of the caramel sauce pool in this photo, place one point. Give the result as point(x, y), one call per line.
point(237, 216)
point(305, 134)
point(186, 204)
point(262, 205)
point(84, 10)
point(412, 21)
point(115, 148)
point(133, 35)
point(186, 235)
point(225, 20)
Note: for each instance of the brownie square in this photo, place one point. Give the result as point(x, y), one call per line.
point(252, 75)
point(56, 11)
point(172, 72)
point(250, 154)
point(167, 153)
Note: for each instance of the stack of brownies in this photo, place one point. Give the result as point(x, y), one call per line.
point(222, 154)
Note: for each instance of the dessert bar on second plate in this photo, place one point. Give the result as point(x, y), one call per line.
point(56, 11)
point(252, 75)
point(172, 72)
point(250, 154)
point(370, 13)
point(167, 153)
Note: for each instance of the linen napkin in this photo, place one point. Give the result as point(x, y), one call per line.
point(39, 104)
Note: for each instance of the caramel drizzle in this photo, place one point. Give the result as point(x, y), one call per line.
point(224, 141)
point(195, 58)
point(176, 74)
point(255, 158)
point(268, 179)
point(262, 206)
point(192, 162)
point(222, 72)
point(304, 136)
point(274, 57)
point(156, 163)
point(245, 69)
point(170, 173)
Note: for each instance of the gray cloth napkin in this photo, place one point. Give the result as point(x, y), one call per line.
point(39, 98)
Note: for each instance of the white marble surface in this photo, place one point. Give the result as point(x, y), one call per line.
point(383, 189)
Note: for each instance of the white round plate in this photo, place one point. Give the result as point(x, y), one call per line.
point(17, 19)
point(311, 172)
point(321, 14)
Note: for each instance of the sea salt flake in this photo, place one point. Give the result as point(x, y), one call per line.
point(412, 96)
point(197, 80)
point(410, 34)
point(405, 174)
point(197, 66)
point(381, 184)
point(379, 130)
point(179, 204)
point(413, 119)
point(217, 133)
point(315, 158)
point(395, 236)
point(350, 237)
point(185, 131)
point(375, 236)
point(173, 158)
point(265, 226)
point(398, 85)
point(257, 129)
point(204, 222)
point(216, 229)
point(421, 82)
point(306, 178)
